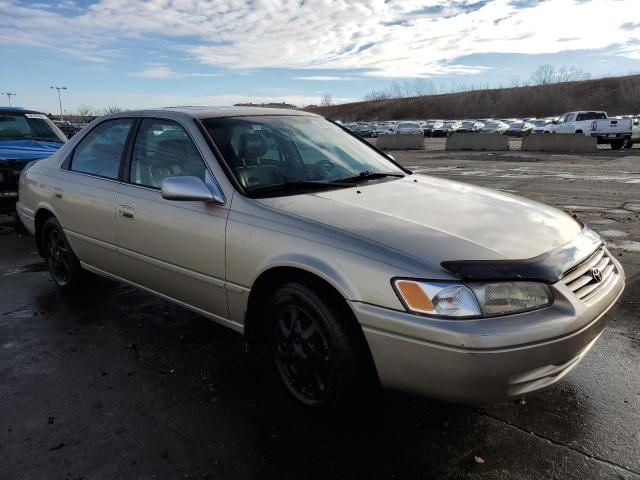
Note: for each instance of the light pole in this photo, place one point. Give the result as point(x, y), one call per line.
point(60, 99)
point(9, 95)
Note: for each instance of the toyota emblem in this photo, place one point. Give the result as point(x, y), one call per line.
point(596, 274)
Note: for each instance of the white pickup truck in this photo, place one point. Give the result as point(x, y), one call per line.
point(635, 132)
point(614, 131)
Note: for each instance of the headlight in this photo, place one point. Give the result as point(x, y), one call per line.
point(457, 300)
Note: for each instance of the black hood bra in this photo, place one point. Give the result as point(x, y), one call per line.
point(548, 267)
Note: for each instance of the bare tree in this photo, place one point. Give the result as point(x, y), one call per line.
point(112, 109)
point(571, 73)
point(422, 87)
point(378, 95)
point(85, 111)
point(326, 100)
point(543, 75)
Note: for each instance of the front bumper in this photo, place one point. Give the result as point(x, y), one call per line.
point(9, 180)
point(485, 360)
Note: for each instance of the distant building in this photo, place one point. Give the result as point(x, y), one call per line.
point(267, 105)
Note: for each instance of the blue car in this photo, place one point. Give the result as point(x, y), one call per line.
point(25, 135)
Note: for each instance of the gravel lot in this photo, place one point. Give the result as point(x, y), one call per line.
point(118, 384)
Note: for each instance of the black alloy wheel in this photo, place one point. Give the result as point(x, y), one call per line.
point(63, 264)
point(317, 347)
point(302, 353)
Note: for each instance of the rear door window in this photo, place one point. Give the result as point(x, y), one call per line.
point(100, 152)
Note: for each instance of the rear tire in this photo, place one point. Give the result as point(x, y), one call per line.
point(313, 348)
point(62, 262)
point(617, 144)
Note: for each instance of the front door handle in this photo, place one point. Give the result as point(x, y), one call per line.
point(126, 212)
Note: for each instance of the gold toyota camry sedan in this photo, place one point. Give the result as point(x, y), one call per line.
point(350, 270)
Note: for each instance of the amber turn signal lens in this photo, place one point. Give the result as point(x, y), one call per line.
point(414, 296)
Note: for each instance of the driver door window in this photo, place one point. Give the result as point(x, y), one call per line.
point(162, 150)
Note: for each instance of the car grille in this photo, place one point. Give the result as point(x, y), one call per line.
point(10, 176)
point(591, 276)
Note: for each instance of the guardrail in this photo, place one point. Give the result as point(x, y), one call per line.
point(477, 141)
point(400, 141)
point(559, 142)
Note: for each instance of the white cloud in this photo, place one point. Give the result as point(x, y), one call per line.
point(388, 38)
point(323, 78)
point(158, 70)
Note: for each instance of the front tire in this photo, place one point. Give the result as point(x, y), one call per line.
point(313, 347)
point(62, 262)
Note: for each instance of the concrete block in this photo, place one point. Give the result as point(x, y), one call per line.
point(400, 142)
point(559, 142)
point(477, 141)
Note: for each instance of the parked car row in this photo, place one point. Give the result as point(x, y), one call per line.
point(69, 128)
point(619, 132)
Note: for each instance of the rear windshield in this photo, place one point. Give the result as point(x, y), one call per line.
point(591, 116)
point(29, 126)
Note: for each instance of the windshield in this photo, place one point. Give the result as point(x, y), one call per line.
point(266, 152)
point(29, 126)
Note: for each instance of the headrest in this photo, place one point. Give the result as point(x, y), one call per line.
point(252, 145)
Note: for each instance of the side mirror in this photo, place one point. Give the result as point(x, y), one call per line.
point(190, 189)
point(555, 122)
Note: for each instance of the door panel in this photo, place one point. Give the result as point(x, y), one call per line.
point(174, 248)
point(85, 196)
point(86, 208)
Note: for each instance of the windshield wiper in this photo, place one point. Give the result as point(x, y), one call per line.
point(40, 139)
point(45, 139)
point(299, 184)
point(368, 175)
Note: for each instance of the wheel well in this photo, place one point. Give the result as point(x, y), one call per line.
point(42, 216)
point(266, 285)
point(579, 131)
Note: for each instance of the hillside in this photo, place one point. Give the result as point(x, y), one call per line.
point(616, 95)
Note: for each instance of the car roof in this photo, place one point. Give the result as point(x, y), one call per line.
point(218, 112)
point(16, 110)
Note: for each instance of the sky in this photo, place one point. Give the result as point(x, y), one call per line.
point(154, 53)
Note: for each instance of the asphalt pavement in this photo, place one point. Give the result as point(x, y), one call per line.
point(115, 383)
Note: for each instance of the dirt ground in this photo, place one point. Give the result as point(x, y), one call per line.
point(118, 384)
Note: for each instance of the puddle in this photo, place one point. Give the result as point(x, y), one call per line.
point(602, 221)
point(613, 233)
point(32, 267)
point(625, 245)
point(617, 211)
point(531, 173)
point(584, 208)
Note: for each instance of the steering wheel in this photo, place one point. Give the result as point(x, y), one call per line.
point(325, 165)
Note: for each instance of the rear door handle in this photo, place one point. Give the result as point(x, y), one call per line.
point(126, 212)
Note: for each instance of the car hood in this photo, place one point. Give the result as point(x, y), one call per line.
point(27, 149)
point(434, 220)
